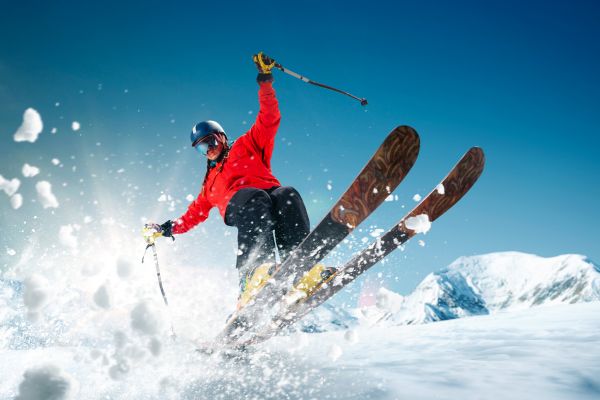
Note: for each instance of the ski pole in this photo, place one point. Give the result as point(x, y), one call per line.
point(150, 243)
point(160, 285)
point(363, 101)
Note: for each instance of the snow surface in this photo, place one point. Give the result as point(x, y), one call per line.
point(521, 337)
point(546, 352)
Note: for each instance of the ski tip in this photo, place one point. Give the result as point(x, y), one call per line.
point(478, 154)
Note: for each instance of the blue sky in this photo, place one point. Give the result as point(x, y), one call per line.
point(519, 80)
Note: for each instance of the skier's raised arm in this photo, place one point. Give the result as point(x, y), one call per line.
point(262, 133)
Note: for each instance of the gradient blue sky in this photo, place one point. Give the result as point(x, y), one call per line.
point(519, 79)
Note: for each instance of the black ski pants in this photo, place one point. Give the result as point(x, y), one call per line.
point(256, 213)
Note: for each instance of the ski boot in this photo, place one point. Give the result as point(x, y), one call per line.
point(310, 282)
point(254, 281)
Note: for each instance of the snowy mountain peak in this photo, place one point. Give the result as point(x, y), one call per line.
point(492, 282)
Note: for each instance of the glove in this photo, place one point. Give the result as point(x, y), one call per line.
point(167, 229)
point(153, 231)
point(264, 64)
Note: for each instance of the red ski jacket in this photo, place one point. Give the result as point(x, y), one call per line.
point(248, 164)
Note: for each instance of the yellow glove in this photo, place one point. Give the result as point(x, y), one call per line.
point(263, 62)
point(151, 232)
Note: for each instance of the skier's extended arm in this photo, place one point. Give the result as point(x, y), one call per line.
point(265, 127)
point(197, 212)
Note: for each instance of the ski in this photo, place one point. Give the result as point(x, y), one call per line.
point(376, 181)
point(456, 184)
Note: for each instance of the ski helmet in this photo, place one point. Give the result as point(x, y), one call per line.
point(203, 129)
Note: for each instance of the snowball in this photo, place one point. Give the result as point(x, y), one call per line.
point(351, 336)
point(34, 295)
point(145, 319)
point(47, 382)
point(124, 268)
point(44, 190)
point(55, 161)
point(53, 131)
point(419, 224)
point(164, 197)
point(66, 236)
point(189, 197)
point(329, 187)
point(390, 198)
point(440, 189)
point(155, 347)
point(119, 370)
point(16, 201)
point(101, 297)
point(335, 352)
point(417, 197)
point(388, 301)
point(31, 127)
point(421, 243)
point(29, 170)
point(10, 252)
point(377, 232)
point(75, 126)
point(9, 187)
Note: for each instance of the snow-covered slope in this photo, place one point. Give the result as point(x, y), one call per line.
point(488, 283)
point(547, 353)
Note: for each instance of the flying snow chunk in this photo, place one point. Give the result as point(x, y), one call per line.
point(10, 252)
point(421, 243)
point(335, 352)
point(351, 336)
point(55, 161)
point(47, 382)
point(101, 297)
point(155, 347)
point(145, 319)
point(419, 224)
point(189, 197)
point(35, 295)
point(29, 171)
point(124, 268)
point(440, 189)
point(66, 236)
point(31, 127)
point(377, 232)
point(16, 201)
point(164, 197)
point(44, 190)
point(417, 197)
point(53, 131)
point(75, 126)
point(9, 187)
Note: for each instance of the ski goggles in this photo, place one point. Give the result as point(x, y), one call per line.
point(206, 143)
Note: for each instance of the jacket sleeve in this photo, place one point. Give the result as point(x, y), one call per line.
point(262, 133)
point(197, 212)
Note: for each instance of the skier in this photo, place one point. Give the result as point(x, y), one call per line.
point(240, 183)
